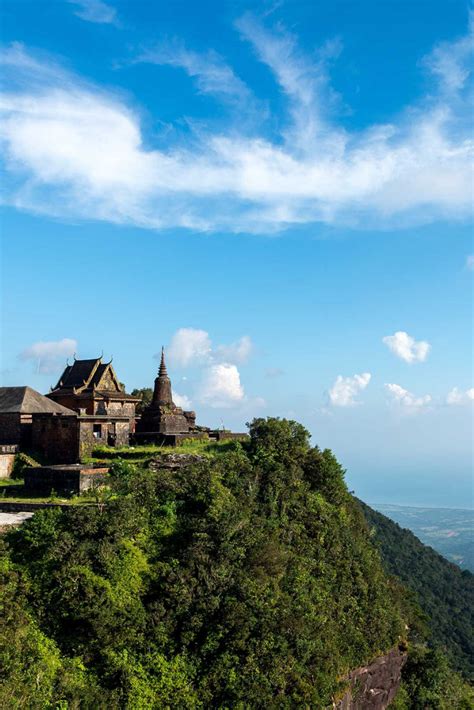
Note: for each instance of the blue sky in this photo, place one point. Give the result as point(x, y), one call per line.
point(280, 193)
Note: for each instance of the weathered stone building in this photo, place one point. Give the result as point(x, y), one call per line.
point(163, 417)
point(100, 412)
point(91, 387)
point(18, 405)
point(70, 439)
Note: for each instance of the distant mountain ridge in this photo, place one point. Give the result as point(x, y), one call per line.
point(445, 592)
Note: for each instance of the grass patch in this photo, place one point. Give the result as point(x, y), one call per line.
point(145, 453)
point(14, 491)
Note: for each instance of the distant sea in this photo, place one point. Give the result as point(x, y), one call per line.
point(450, 531)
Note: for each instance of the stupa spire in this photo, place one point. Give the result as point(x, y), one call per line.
point(162, 393)
point(162, 372)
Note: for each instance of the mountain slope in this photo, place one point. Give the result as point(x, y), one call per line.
point(444, 592)
point(243, 580)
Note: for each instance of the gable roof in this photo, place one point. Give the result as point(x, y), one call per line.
point(25, 400)
point(85, 375)
point(78, 374)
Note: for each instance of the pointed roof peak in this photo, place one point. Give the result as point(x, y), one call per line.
point(162, 372)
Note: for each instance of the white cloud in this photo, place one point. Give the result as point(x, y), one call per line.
point(181, 400)
point(189, 346)
point(457, 396)
point(211, 73)
point(219, 382)
point(238, 352)
point(345, 389)
point(95, 11)
point(470, 262)
point(406, 399)
point(406, 347)
point(450, 61)
point(72, 150)
point(221, 386)
point(192, 346)
point(49, 356)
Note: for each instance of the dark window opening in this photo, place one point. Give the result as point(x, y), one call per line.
point(97, 431)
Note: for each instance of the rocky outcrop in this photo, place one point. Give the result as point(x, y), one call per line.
point(174, 461)
point(373, 687)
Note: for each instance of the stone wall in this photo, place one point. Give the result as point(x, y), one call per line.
point(10, 428)
point(220, 435)
point(122, 433)
point(373, 687)
point(6, 464)
point(64, 480)
point(56, 438)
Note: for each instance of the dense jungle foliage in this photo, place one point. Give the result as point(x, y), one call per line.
point(443, 591)
point(245, 581)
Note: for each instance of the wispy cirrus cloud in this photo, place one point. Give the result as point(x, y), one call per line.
point(49, 356)
point(406, 347)
point(72, 150)
point(210, 71)
point(95, 11)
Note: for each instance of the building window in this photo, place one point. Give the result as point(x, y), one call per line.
point(97, 431)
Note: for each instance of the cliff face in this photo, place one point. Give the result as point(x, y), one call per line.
point(373, 687)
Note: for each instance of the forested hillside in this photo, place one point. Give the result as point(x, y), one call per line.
point(444, 592)
point(245, 580)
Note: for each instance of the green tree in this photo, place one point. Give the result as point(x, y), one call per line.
point(145, 394)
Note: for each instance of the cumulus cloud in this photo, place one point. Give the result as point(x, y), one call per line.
point(406, 399)
point(457, 396)
point(238, 352)
point(193, 346)
point(406, 347)
point(95, 11)
point(72, 150)
point(221, 386)
point(470, 262)
point(181, 400)
point(345, 389)
point(218, 382)
point(189, 346)
point(49, 356)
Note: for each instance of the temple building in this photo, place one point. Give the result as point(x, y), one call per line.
point(18, 406)
point(91, 387)
point(103, 414)
point(163, 417)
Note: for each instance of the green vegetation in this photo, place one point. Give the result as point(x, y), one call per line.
point(142, 455)
point(443, 591)
point(247, 580)
point(145, 394)
point(21, 462)
point(429, 682)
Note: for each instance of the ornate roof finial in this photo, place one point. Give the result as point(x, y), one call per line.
point(162, 372)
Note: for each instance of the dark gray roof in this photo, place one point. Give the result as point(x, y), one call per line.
point(26, 400)
point(76, 374)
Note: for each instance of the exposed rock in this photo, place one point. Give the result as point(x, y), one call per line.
point(173, 461)
point(373, 687)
